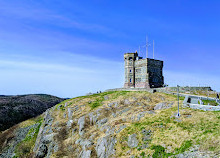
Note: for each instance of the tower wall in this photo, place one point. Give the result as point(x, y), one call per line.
point(142, 73)
point(155, 72)
point(129, 59)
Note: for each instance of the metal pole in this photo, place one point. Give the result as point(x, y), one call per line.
point(178, 114)
point(139, 50)
point(146, 47)
point(153, 49)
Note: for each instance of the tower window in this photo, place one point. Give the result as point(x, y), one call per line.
point(138, 80)
point(130, 70)
point(130, 80)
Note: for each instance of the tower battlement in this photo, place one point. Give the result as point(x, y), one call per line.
point(142, 73)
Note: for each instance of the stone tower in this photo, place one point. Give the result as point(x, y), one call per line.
point(142, 73)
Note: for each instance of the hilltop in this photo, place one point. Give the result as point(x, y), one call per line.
point(15, 109)
point(116, 124)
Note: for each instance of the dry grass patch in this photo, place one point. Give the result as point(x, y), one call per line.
point(200, 128)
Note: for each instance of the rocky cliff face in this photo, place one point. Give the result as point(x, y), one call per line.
point(115, 124)
point(15, 109)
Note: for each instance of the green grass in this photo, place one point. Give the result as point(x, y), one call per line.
point(99, 97)
point(159, 151)
point(180, 97)
point(186, 145)
point(210, 102)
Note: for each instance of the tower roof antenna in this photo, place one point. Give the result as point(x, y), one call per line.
point(147, 45)
point(153, 49)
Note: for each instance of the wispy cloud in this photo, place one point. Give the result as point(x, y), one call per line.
point(174, 78)
point(65, 80)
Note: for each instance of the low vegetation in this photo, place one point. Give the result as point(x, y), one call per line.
point(171, 136)
point(15, 109)
point(210, 102)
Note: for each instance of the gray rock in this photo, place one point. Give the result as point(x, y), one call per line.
point(163, 105)
point(139, 104)
point(127, 102)
point(58, 108)
point(188, 116)
point(144, 146)
point(108, 129)
point(48, 138)
point(133, 118)
point(85, 154)
point(66, 104)
point(113, 104)
point(134, 98)
point(177, 120)
point(44, 141)
point(124, 119)
point(140, 115)
point(56, 147)
point(150, 112)
point(146, 138)
point(106, 97)
point(81, 123)
point(105, 146)
point(132, 141)
point(123, 111)
point(78, 141)
point(102, 122)
point(70, 113)
point(98, 112)
point(85, 143)
point(114, 114)
point(42, 151)
point(121, 128)
point(69, 123)
point(93, 118)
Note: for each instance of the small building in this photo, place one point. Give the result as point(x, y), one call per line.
point(142, 73)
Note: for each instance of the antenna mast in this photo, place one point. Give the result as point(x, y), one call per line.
point(139, 50)
point(153, 49)
point(146, 47)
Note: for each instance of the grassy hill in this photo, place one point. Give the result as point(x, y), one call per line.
point(116, 124)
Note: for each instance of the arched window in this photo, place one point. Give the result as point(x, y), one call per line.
point(130, 80)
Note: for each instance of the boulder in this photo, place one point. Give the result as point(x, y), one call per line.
point(163, 105)
point(85, 154)
point(70, 113)
point(106, 97)
point(42, 151)
point(127, 102)
point(132, 141)
point(105, 146)
point(81, 123)
point(102, 122)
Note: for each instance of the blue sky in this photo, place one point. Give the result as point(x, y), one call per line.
point(69, 48)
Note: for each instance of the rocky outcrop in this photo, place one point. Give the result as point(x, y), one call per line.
point(163, 105)
point(14, 139)
point(105, 146)
point(45, 143)
point(132, 141)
